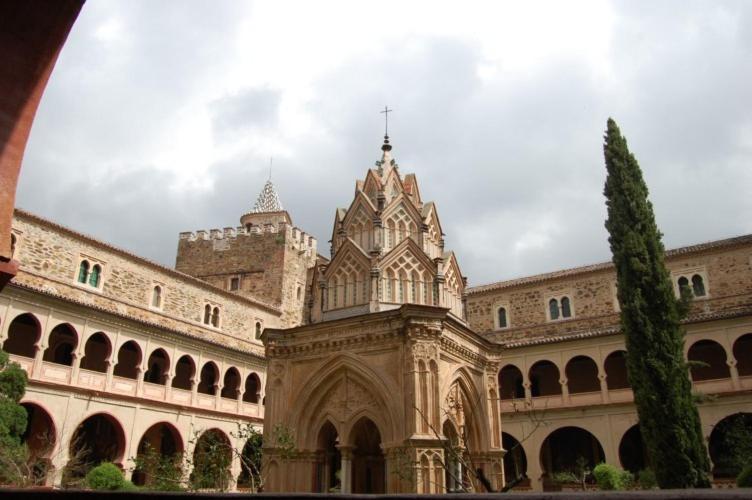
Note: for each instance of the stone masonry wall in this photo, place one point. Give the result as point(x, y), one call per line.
point(50, 255)
point(726, 268)
point(272, 263)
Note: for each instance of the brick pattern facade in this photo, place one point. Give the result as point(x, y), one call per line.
point(725, 266)
point(50, 255)
point(272, 262)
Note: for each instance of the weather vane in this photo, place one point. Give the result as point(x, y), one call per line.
point(386, 119)
point(271, 160)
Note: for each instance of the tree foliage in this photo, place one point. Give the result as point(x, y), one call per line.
point(13, 453)
point(650, 316)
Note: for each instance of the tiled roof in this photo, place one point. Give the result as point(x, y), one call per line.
point(613, 330)
point(142, 260)
point(268, 200)
point(253, 352)
point(738, 240)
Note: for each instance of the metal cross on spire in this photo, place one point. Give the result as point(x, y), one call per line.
point(386, 120)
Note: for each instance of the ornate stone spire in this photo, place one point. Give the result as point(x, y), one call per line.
point(268, 200)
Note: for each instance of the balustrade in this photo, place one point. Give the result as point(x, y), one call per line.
point(95, 380)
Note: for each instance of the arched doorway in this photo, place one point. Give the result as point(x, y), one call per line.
point(616, 370)
point(743, 355)
point(544, 379)
point(211, 461)
point(157, 367)
point(632, 453)
point(99, 438)
point(61, 345)
point(231, 385)
point(96, 353)
point(40, 438)
point(713, 357)
point(185, 370)
point(207, 383)
point(329, 460)
point(570, 450)
point(250, 464)
point(368, 469)
point(510, 383)
point(159, 456)
point(730, 445)
point(23, 335)
point(128, 360)
point(582, 375)
point(515, 461)
point(252, 388)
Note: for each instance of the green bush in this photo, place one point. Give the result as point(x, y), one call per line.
point(744, 479)
point(627, 480)
point(106, 476)
point(646, 479)
point(609, 477)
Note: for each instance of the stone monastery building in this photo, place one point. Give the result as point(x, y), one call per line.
point(371, 360)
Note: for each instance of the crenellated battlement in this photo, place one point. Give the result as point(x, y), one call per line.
point(292, 234)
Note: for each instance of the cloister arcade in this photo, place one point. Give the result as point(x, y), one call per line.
point(553, 401)
point(157, 374)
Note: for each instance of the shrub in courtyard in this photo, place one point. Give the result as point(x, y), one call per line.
point(609, 477)
point(744, 479)
point(107, 476)
point(646, 479)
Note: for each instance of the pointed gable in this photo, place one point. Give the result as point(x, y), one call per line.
point(410, 185)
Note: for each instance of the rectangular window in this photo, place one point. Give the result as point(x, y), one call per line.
point(234, 284)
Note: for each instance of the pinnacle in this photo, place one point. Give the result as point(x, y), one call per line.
point(268, 200)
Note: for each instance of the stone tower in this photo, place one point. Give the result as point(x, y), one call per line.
point(266, 257)
point(387, 250)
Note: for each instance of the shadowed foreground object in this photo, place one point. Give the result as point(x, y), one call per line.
point(32, 33)
point(704, 494)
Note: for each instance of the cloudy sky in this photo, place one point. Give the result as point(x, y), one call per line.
point(160, 117)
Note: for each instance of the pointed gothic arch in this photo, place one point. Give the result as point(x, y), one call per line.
point(368, 394)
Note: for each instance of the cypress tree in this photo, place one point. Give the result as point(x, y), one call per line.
point(650, 316)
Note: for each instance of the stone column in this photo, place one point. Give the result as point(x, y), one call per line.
point(604, 387)
point(734, 373)
point(346, 471)
point(140, 381)
point(168, 386)
point(564, 391)
point(36, 369)
point(375, 289)
point(75, 367)
point(110, 372)
point(194, 390)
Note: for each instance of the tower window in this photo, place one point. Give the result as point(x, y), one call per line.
point(501, 315)
point(258, 329)
point(559, 308)
point(95, 275)
point(207, 314)
point(234, 284)
point(692, 281)
point(215, 317)
point(553, 308)
point(83, 271)
point(156, 297)
point(698, 286)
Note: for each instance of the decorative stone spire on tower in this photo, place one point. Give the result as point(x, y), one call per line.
point(268, 200)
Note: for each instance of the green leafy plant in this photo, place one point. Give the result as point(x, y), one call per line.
point(13, 453)
point(107, 476)
point(160, 472)
point(646, 479)
point(744, 479)
point(608, 477)
point(650, 316)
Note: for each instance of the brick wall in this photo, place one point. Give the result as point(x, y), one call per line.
point(726, 267)
point(271, 261)
point(50, 254)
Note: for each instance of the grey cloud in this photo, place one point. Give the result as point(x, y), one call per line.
point(245, 110)
point(515, 165)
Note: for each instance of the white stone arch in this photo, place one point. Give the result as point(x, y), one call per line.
point(348, 425)
point(721, 340)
